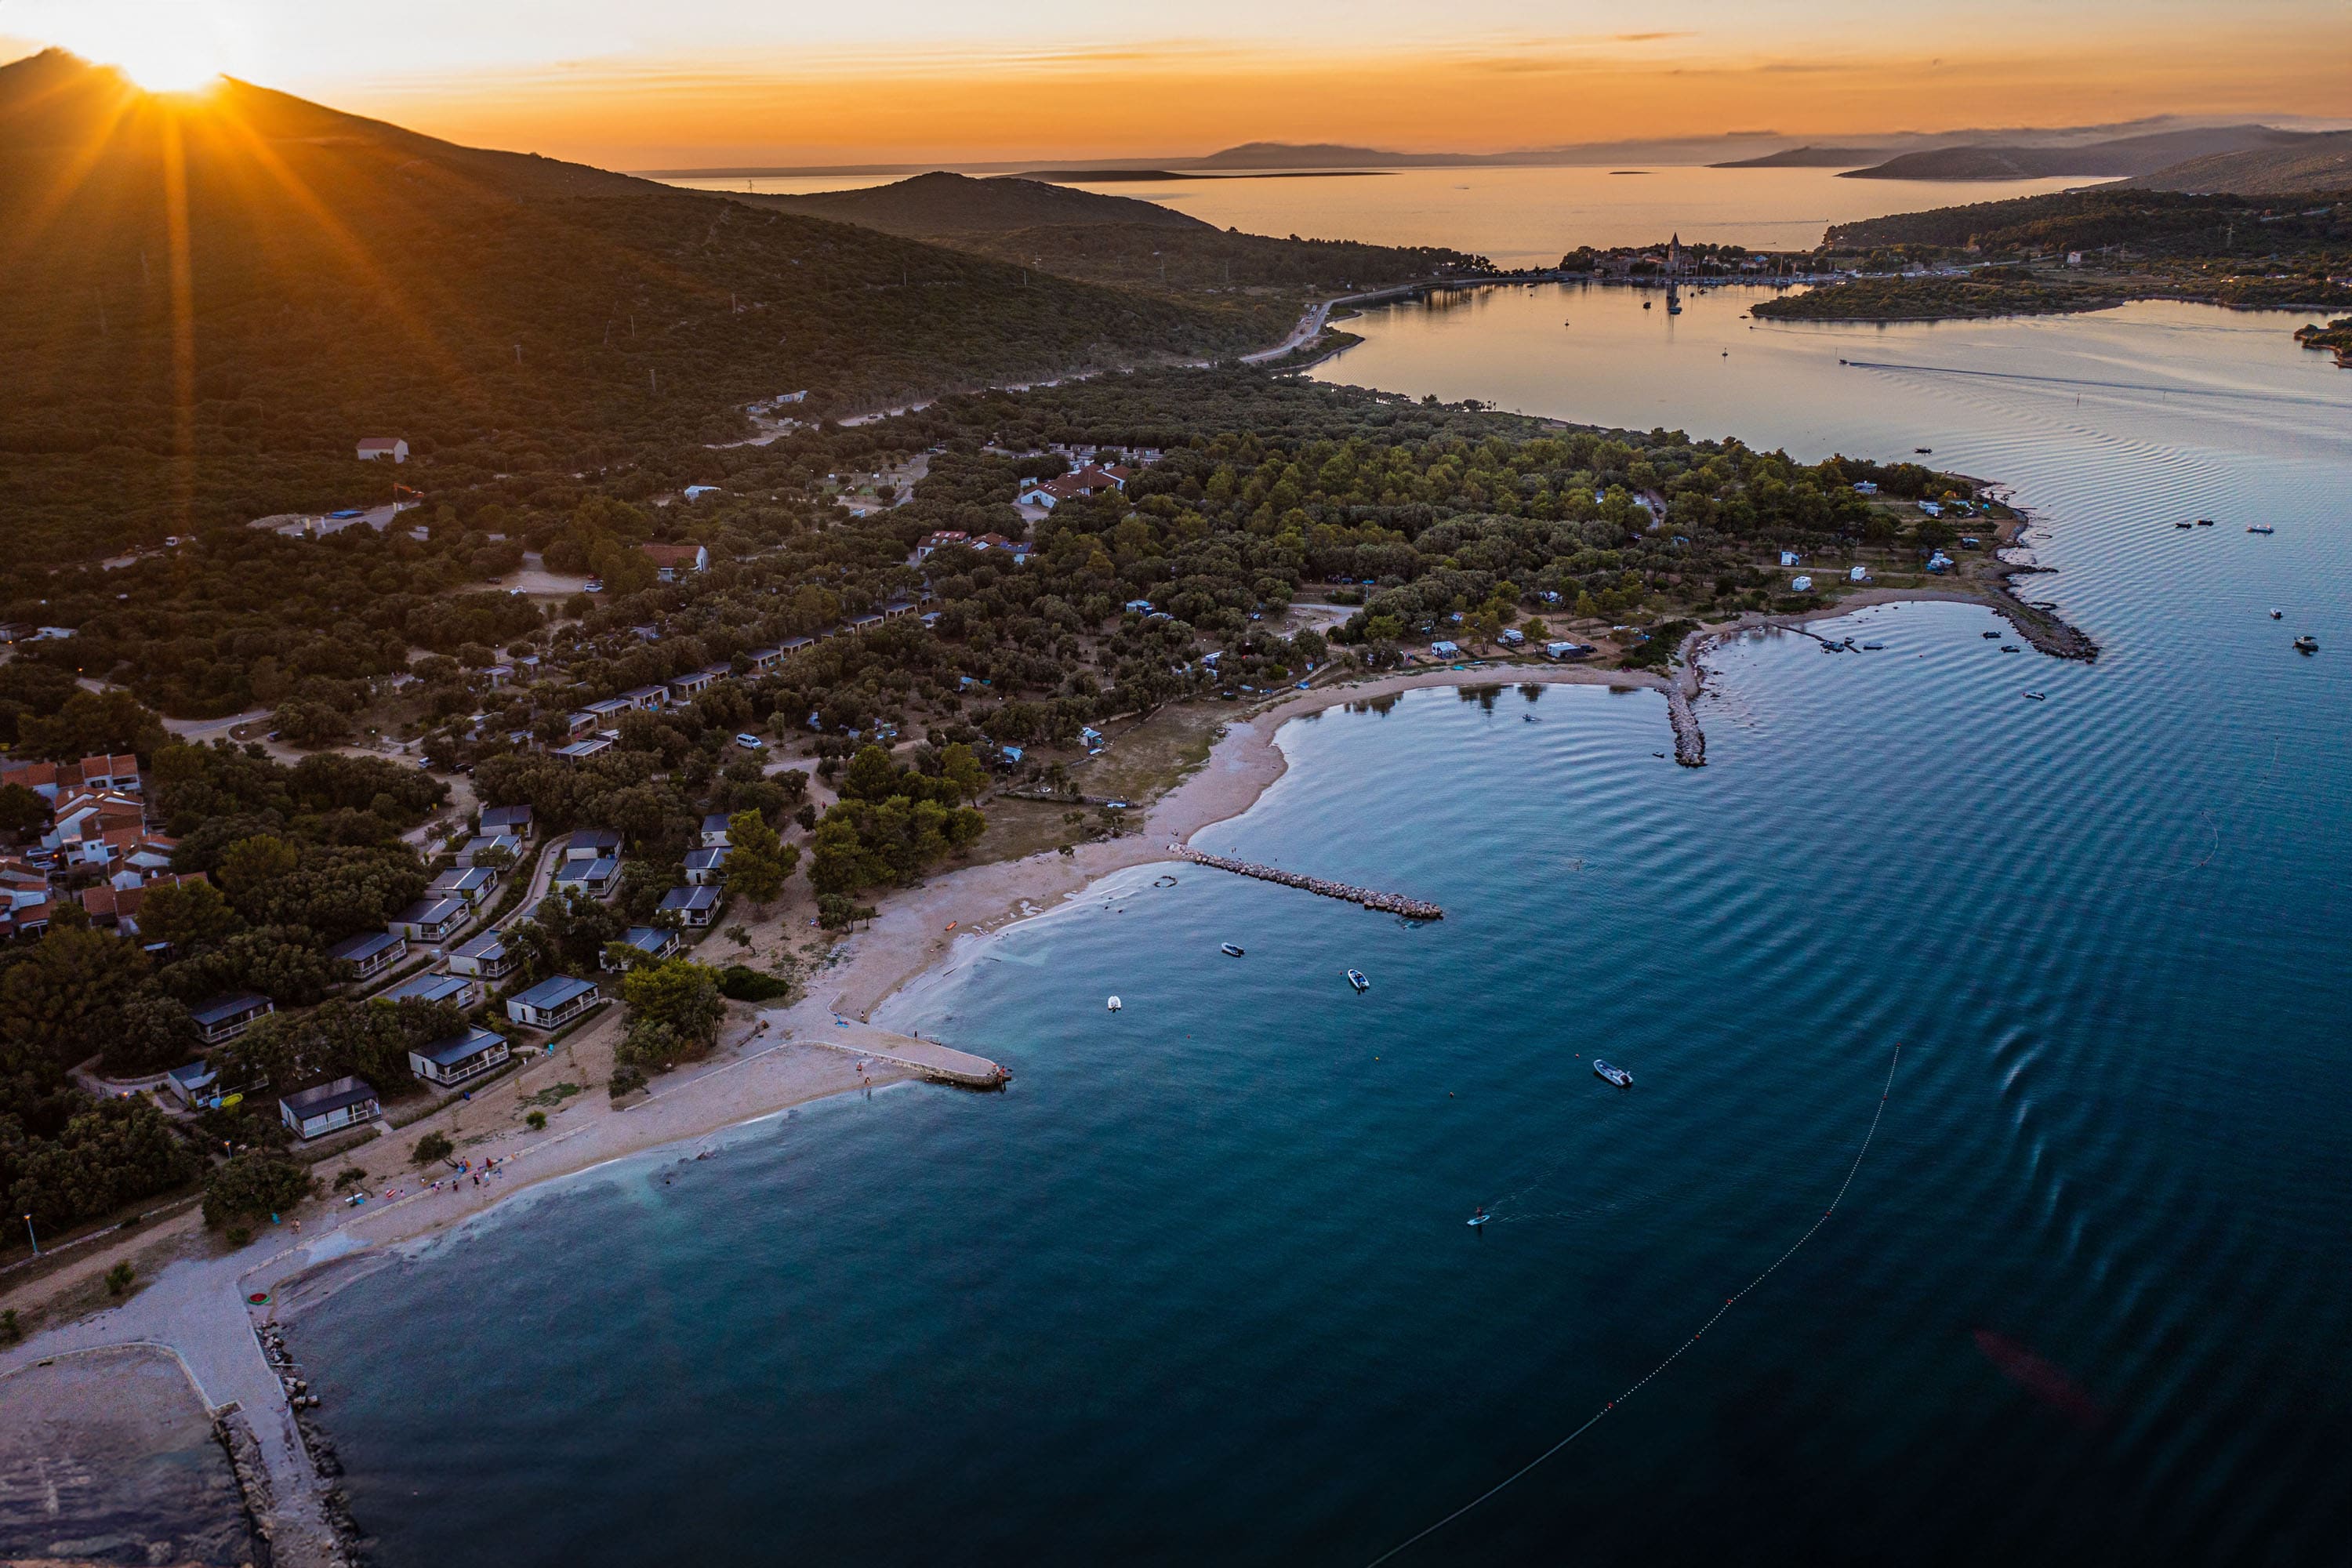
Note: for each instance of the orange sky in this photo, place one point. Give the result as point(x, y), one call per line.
point(721, 82)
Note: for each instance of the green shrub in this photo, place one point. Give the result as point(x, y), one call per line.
point(253, 1183)
point(118, 1279)
point(741, 982)
point(536, 1120)
point(626, 1081)
point(432, 1146)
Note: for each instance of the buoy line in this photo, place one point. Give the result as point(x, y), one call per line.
point(1729, 1302)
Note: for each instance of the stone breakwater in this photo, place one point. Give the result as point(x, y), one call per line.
point(1387, 904)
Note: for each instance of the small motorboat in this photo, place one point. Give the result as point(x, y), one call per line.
point(2278, 614)
point(1615, 1075)
point(1357, 979)
point(2204, 522)
point(2307, 645)
point(2008, 648)
point(1923, 451)
point(1114, 1004)
point(1873, 647)
point(1989, 637)
point(2184, 525)
point(2260, 528)
point(2037, 697)
point(1231, 950)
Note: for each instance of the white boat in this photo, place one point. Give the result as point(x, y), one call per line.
point(1114, 1004)
point(2260, 528)
point(1356, 978)
point(1229, 949)
point(2302, 645)
point(1615, 1075)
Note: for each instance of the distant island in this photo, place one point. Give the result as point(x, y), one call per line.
point(1809, 158)
point(2123, 157)
point(1116, 176)
point(2082, 251)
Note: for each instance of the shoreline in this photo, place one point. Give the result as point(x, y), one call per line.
point(198, 1303)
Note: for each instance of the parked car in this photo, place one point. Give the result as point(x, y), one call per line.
point(751, 743)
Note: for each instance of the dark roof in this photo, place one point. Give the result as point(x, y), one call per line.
point(689, 898)
point(221, 1009)
point(366, 945)
point(425, 988)
point(489, 944)
point(459, 1048)
point(555, 991)
point(501, 815)
point(649, 938)
point(594, 838)
point(430, 912)
point(328, 1097)
point(701, 860)
point(714, 822)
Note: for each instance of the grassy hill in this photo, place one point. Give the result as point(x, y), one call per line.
point(211, 300)
point(2150, 223)
point(1255, 281)
point(2321, 162)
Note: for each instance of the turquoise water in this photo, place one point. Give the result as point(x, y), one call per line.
point(1197, 1288)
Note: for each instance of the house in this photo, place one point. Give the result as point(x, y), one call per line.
point(460, 1057)
point(594, 878)
point(119, 773)
point(765, 658)
point(714, 831)
point(669, 560)
point(193, 1086)
point(483, 848)
point(474, 884)
point(608, 711)
point(580, 751)
point(647, 699)
point(370, 953)
point(376, 446)
point(485, 957)
point(551, 1004)
point(655, 943)
point(431, 919)
point(940, 540)
point(462, 989)
point(344, 1102)
point(41, 778)
point(227, 1017)
point(695, 907)
point(686, 686)
point(1090, 480)
point(592, 844)
point(707, 867)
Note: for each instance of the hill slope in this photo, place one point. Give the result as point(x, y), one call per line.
point(178, 361)
point(1255, 280)
point(2122, 156)
point(2318, 163)
point(942, 203)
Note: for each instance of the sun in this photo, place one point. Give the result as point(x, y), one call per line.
point(164, 48)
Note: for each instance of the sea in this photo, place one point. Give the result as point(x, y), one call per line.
point(1516, 218)
point(1980, 1193)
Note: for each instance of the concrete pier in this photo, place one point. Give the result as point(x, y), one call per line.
point(927, 1058)
point(1387, 904)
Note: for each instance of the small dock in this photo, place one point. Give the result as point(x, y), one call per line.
point(925, 1059)
point(1387, 904)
